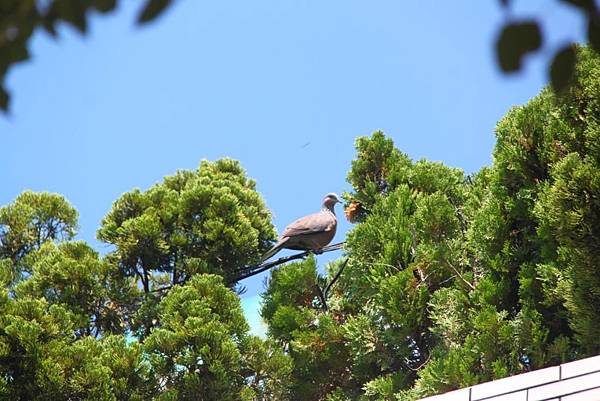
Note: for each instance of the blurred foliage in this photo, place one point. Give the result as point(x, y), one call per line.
point(518, 37)
point(20, 19)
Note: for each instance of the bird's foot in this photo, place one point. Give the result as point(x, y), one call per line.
point(317, 251)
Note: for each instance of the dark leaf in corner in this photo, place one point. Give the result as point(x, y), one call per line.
point(517, 39)
point(587, 5)
point(104, 6)
point(48, 24)
point(14, 53)
point(562, 68)
point(594, 31)
point(152, 9)
point(72, 11)
point(3, 99)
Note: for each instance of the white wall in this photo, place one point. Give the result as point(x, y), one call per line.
point(573, 381)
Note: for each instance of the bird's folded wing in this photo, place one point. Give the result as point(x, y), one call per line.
point(314, 223)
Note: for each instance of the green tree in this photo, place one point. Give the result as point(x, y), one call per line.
point(71, 274)
point(58, 296)
point(313, 339)
point(201, 349)
point(453, 280)
point(449, 280)
point(40, 359)
point(210, 220)
point(27, 223)
point(207, 221)
point(63, 322)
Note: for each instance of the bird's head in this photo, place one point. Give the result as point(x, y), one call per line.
point(330, 200)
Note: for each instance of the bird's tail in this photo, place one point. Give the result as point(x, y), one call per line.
point(276, 248)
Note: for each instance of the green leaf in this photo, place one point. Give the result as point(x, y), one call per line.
point(152, 9)
point(14, 52)
point(562, 68)
point(104, 5)
point(517, 39)
point(48, 25)
point(4, 99)
point(78, 19)
point(72, 11)
point(594, 31)
point(587, 5)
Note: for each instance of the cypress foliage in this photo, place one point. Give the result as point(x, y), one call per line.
point(455, 280)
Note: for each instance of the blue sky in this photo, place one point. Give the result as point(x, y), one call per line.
point(283, 86)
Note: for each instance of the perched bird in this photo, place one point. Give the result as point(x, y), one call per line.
point(311, 232)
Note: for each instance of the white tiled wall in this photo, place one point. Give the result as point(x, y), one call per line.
point(573, 381)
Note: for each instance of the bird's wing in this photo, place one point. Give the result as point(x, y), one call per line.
point(313, 223)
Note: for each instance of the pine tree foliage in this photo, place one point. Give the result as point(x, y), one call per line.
point(210, 220)
point(72, 274)
point(201, 349)
point(78, 326)
point(32, 219)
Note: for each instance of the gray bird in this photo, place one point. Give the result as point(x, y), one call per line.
point(311, 232)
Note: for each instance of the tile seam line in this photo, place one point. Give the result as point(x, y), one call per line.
point(559, 372)
point(579, 375)
point(536, 386)
point(531, 387)
point(515, 391)
point(572, 393)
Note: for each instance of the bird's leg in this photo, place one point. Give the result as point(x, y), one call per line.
point(317, 251)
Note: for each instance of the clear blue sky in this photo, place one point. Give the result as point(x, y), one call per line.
point(283, 86)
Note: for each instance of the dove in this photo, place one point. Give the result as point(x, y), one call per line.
point(311, 232)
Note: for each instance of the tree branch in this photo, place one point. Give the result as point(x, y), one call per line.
point(321, 297)
point(254, 270)
point(336, 277)
point(464, 280)
point(249, 271)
